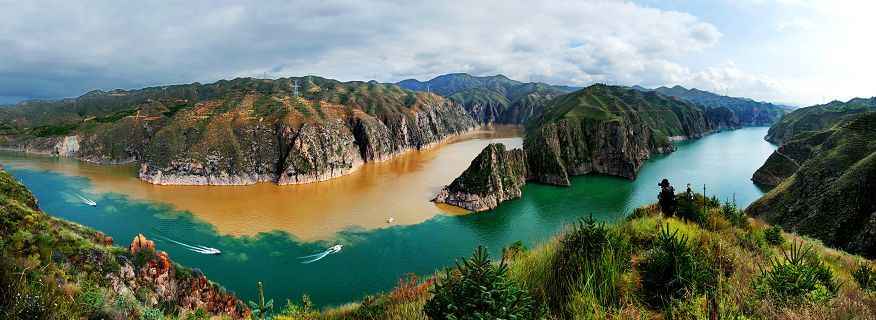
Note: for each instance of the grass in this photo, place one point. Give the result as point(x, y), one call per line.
point(715, 267)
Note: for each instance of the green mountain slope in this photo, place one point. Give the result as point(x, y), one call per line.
point(830, 196)
point(750, 112)
point(492, 99)
point(817, 117)
point(237, 132)
point(610, 129)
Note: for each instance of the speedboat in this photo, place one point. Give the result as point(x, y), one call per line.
point(390, 220)
point(335, 248)
point(212, 251)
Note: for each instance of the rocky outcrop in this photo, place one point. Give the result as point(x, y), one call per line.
point(242, 152)
point(830, 195)
point(722, 118)
point(494, 176)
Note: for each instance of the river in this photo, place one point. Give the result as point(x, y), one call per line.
point(262, 229)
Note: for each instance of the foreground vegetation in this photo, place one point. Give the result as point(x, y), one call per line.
point(54, 269)
point(712, 263)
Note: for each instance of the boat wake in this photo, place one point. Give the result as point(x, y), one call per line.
point(86, 200)
point(316, 257)
point(193, 248)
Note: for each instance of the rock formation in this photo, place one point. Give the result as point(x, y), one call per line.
point(237, 132)
point(494, 176)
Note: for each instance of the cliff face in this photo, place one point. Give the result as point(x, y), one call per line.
point(830, 195)
point(66, 271)
point(238, 132)
point(817, 118)
point(494, 176)
point(611, 130)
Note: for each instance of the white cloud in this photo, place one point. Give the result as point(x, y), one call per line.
point(729, 79)
point(54, 49)
point(796, 24)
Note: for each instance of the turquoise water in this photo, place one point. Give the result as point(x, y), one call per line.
point(373, 260)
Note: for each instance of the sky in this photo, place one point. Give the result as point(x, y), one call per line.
point(784, 51)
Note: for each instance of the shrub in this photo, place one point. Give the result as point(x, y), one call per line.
point(672, 270)
point(590, 249)
point(691, 209)
point(735, 216)
point(514, 250)
point(371, 308)
point(304, 311)
point(773, 235)
point(865, 276)
point(478, 289)
point(151, 314)
point(799, 277)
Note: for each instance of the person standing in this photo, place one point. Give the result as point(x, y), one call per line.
point(666, 198)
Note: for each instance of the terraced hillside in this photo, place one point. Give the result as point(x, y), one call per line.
point(492, 99)
point(236, 132)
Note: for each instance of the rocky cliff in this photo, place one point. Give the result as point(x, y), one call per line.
point(237, 132)
point(830, 194)
point(54, 269)
point(610, 129)
point(494, 176)
point(817, 118)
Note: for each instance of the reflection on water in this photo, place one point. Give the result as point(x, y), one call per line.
point(401, 187)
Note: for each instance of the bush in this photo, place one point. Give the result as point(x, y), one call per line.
point(514, 250)
point(304, 311)
point(690, 208)
point(672, 270)
point(478, 289)
point(371, 308)
point(800, 277)
point(773, 235)
point(865, 276)
point(735, 216)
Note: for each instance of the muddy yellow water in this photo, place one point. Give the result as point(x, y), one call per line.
point(400, 188)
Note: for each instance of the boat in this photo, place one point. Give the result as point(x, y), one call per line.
point(335, 248)
point(211, 251)
point(390, 220)
point(87, 201)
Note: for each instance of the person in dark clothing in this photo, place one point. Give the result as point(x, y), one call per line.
point(666, 198)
